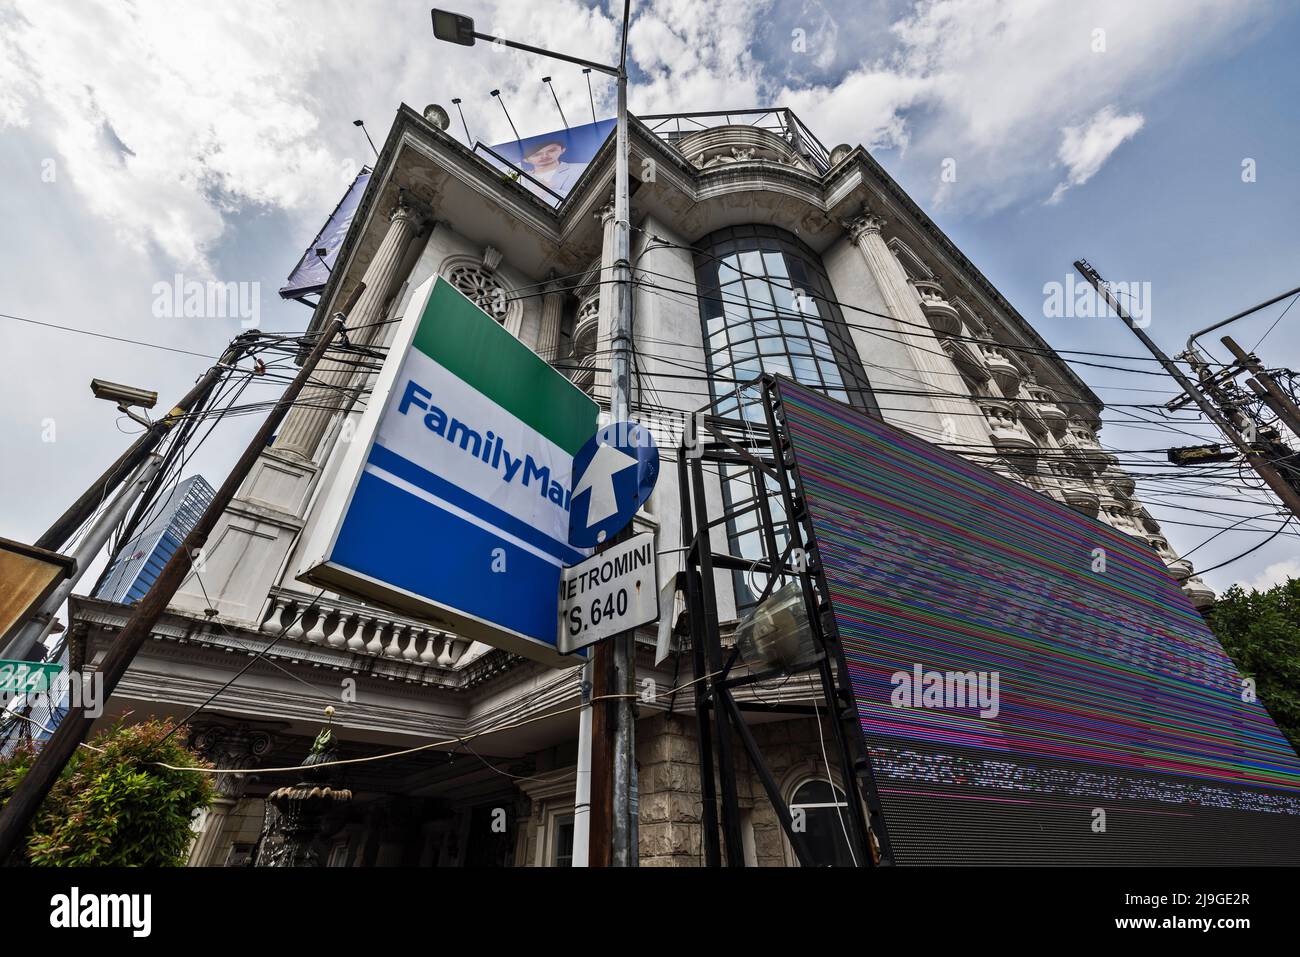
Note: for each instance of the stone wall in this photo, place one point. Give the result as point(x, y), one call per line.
point(671, 834)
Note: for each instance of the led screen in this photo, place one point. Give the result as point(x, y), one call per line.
point(1032, 685)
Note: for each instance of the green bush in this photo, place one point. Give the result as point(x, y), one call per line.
point(1260, 630)
point(114, 807)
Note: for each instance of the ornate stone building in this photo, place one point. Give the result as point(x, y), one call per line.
point(754, 250)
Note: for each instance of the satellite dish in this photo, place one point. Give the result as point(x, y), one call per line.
point(436, 115)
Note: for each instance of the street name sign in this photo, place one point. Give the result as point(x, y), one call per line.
point(27, 677)
point(452, 500)
point(609, 593)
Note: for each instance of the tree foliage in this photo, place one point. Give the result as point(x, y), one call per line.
point(114, 806)
point(1260, 631)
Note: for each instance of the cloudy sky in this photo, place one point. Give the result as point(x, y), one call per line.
point(141, 140)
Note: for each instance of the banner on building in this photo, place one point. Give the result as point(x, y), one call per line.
point(313, 269)
point(557, 159)
point(1032, 685)
point(452, 501)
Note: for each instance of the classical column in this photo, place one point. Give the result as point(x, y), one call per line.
point(225, 747)
point(548, 336)
point(306, 422)
point(901, 302)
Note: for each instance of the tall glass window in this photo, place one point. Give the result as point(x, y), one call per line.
point(767, 306)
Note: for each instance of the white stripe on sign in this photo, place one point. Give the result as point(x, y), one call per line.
point(479, 446)
point(460, 513)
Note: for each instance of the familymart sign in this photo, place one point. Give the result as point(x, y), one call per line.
point(453, 499)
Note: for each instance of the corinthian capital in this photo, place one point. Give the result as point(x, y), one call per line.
point(412, 209)
point(865, 223)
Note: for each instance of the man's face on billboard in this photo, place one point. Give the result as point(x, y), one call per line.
point(547, 154)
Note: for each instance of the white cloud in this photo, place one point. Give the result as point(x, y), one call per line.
point(991, 83)
point(246, 104)
point(1272, 575)
point(1084, 149)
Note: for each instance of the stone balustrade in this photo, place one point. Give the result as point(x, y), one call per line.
point(1004, 427)
point(1052, 414)
point(361, 630)
point(942, 315)
point(1004, 370)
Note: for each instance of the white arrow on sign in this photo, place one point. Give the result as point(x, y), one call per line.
point(599, 479)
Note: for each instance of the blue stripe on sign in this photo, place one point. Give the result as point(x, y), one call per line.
point(405, 469)
point(397, 538)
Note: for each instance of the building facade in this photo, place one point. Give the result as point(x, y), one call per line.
point(141, 559)
point(754, 249)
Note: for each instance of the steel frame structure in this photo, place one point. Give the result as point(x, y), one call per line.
point(766, 452)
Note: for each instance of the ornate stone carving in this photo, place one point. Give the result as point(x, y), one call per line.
point(231, 746)
point(864, 223)
point(482, 288)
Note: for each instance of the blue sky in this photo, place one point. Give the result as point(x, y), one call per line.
point(188, 144)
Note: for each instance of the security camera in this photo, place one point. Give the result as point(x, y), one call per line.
point(125, 396)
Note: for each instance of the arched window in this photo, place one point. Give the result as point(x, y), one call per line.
point(767, 306)
point(826, 817)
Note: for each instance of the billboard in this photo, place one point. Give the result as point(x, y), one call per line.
point(1032, 685)
point(313, 271)
point(453, 497)
point(558, 159)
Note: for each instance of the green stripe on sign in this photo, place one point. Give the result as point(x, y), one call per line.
point(473, 346)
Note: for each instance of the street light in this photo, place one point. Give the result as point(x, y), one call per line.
point(457, 28)
point(453, 27)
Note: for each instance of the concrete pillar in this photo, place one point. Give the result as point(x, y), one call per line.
point(205, 851)
point(226, 746)
point(306, 422)
point(928, 360)
point(548, 336)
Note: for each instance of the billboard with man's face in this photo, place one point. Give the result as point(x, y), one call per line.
point(558, 159)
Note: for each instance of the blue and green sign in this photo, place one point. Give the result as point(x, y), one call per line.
point(454, 500)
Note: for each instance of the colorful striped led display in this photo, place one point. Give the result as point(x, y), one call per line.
point(1086, 672)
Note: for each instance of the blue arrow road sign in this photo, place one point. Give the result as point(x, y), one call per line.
point(613, 475)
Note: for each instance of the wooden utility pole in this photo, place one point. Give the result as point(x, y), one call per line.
point(72, 730)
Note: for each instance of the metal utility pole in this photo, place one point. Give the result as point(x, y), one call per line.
point(85, 506)
point(71, 732)
point(624, 850)
point(1249, 450)
point(28, 638)
point(612, 776)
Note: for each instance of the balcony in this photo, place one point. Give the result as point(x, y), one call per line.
point(1004, 429)
point(587, 325)
point(941, 314)
point(1004, 370)
point(361, 630)
point(775, 134)
point(1118, 479)
point(1052, 414)
point(1080, 496)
